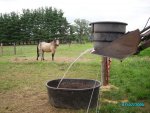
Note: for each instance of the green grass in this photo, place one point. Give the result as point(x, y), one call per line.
point(145, 52)
point(22, 79)
point(133, 76)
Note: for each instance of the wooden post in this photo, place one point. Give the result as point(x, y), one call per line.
point(14, 48)
point(1, 48)
point(105, 70)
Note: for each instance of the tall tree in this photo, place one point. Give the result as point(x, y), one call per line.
point(38, 24)
point(9, 27)
point(81, 28)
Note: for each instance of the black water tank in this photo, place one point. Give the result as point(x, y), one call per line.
point(73, 93)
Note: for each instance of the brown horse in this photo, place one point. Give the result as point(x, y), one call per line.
point(47, 47)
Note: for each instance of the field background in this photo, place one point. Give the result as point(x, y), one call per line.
point(23, 79)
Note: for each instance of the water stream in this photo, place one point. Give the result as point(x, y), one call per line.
point(88, 50)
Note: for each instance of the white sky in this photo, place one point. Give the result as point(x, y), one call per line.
point(133, 12)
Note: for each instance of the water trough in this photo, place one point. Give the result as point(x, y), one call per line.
point(73, 93)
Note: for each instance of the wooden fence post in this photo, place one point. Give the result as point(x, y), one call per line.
point(14, 48)
point(1, 48)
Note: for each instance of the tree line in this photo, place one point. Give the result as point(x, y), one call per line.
point(42, 24)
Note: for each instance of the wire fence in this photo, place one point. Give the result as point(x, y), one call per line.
point(7, 50)
point(17, 50)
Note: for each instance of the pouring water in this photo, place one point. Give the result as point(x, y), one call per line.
point(88, 50)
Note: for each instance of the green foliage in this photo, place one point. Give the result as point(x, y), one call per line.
point(81, 27)
point(38, 24)
point(41, 24)
point(9, 27)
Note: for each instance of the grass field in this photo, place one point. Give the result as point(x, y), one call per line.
point(22, 79)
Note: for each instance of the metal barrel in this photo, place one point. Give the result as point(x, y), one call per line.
point(106, 32)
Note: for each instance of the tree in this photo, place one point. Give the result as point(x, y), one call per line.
point(81, 28)
point(38, 24)
point(9, 27)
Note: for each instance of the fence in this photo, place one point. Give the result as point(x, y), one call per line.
point(8, 50)
point(17, 49)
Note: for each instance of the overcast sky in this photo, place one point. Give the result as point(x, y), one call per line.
point(133, 12)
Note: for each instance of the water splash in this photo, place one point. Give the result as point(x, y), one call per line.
point(88, 50)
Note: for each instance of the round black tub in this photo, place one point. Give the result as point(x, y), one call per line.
point(73, 93)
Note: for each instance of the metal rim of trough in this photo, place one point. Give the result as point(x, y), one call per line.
point(98, 84)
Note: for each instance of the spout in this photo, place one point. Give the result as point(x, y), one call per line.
point(92, 51)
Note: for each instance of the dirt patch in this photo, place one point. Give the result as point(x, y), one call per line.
point(27, 101)
point(58, 59)
point(113, 101)
point(146, 107)
point(109, 88)
point(22, 59)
